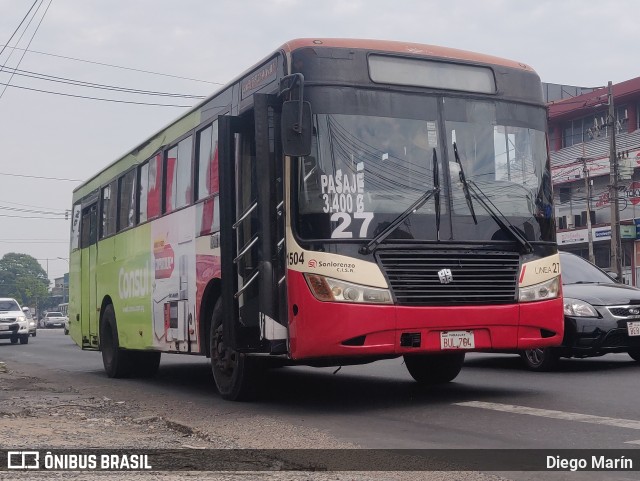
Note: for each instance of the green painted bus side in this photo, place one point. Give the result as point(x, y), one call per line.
point(119, 269)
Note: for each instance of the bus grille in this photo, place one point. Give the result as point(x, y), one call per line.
point(451, 277)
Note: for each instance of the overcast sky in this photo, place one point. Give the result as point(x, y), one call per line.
point(43, 135)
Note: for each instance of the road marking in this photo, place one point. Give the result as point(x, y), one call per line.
point(548, 413)
point(632, 442)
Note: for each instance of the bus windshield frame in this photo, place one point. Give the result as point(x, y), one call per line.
point(368, 166)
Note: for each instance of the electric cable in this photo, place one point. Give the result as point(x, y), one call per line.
point(18, 27)
point(30, 40)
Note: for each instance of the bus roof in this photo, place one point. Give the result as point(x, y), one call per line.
point(407, 48)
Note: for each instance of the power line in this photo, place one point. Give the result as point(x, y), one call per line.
point(30, 40)
point(39, 176)
point(32, 217)
point(81, 83)
point(24, 205)
point(95, 98)
point(120, 67)
point(31, 211)
point(18, 27)
point(34, 239)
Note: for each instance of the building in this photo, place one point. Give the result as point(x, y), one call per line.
point(60, 289)
point(554, 92)
point(579, 137)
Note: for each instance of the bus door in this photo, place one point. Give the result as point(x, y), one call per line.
point(252, 229)
point(89, 255)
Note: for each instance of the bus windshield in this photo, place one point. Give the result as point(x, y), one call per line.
point(364, 170)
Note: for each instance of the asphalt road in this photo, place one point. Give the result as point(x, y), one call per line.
point(493, 403)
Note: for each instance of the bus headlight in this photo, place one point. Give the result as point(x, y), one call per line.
point(541, 292)
point(327, 289)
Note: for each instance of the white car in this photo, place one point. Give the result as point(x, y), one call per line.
point(13, 322)
point(54, 319)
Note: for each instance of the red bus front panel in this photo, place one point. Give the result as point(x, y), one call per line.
point(332, 329)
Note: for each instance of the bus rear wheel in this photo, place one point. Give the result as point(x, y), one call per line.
point(117, 362)
point(434, 368)
point(236, 374)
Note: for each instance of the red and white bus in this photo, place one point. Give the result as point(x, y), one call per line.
point(342, 201)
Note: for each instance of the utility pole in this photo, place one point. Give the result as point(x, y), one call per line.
point(587, 187)
point(613, 189)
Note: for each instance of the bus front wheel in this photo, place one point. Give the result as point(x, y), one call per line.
point(236, 374)
point(117, 362)
point(434, 369)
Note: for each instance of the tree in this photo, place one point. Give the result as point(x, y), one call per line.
point(23, 278)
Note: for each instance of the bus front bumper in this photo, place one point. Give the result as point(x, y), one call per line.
point(333, 329)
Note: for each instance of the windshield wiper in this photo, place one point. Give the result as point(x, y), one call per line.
point(489, 206)
point(500, 218)
point(465, 185)
point(373, 243)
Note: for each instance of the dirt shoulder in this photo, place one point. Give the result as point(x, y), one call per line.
point(38, 413)
point(54, 409)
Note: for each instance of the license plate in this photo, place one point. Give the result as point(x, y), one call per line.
point(4, 328)
point(457, 340)
point(633, 328)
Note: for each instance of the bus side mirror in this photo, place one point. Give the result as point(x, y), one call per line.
point(296, 128)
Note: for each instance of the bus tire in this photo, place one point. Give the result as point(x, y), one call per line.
point(236, 374)
point(542, 359)
point(117, 362)
point(434, 368)
point(146, 363)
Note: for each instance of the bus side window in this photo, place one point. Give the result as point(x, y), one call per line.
point(154, 191)
point(89, 226)
point(143, 191)
point(207, 183)
point(126, 194)
point(178, 179)
point(109, 209)
point(207, 163)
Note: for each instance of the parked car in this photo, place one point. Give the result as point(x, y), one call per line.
point(13, 322)
point(600, 316)
point(33, 325)
point(54, 319)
